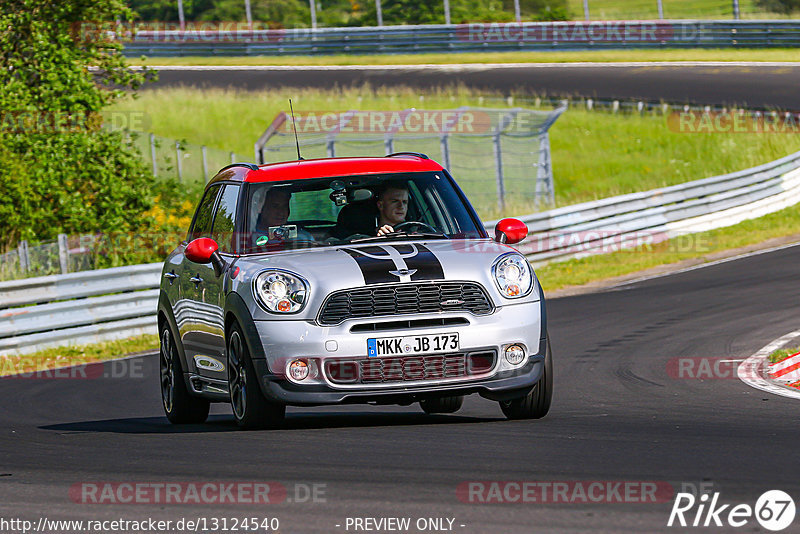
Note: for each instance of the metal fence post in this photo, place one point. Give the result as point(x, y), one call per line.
point(63, 253)
point(205, 161)
point(544, 176)
point(498, 166)
point(388, 144)
point(153, 154)
point(178, 160)
point(24, 258)
point(445, 144)
point(331, 148)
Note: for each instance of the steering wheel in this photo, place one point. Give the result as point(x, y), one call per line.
point(418, 224)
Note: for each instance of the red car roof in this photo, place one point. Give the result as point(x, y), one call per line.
point(328, 167)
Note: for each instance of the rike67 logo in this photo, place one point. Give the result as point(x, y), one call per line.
point(774, 510)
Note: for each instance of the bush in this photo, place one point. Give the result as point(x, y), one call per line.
point(785, 7)
point(74, 177)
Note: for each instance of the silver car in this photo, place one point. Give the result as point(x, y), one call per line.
point(348, 280)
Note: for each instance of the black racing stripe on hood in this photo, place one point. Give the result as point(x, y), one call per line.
point(426, 263)
point(373, 250)
point(374, 270)
point(377, 266)
point(404, 249)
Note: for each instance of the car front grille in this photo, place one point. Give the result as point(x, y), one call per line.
point(402, 299)
point(410, 368)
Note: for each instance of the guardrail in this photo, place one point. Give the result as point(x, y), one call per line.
point(655, 216)
point(85, 307)
point(114, 303)
point(208, 39)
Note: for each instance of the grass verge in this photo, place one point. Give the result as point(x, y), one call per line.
point(581, 271)
point(600, 56)
point(58, 357)
point(594, 154)
point(782, 354)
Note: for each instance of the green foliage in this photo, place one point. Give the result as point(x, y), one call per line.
point(539, 10)
point(70, 183)
point(784, 7)
point(275, 13)
point(782, 354)
point(76, 178)
point(296, 13)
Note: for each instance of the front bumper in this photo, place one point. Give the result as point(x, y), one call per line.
point(286, 340)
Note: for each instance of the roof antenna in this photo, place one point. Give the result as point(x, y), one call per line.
point(294, 127)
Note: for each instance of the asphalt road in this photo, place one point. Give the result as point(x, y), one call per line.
point(617, 415)
point(745, 85)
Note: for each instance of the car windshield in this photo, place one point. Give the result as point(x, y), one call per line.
point(350, 209)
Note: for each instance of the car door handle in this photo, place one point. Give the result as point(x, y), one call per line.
point(196, 280)
point(170, 275)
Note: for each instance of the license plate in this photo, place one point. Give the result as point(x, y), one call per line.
point(399, 346)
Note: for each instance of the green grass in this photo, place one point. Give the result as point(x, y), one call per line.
point(582, 271)
point(673, 9)
point(594, 154)
point(773, 54)
point(55, 358)
point(782, 354)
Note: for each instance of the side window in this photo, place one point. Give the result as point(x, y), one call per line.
point(225, 218)
point(203, 217)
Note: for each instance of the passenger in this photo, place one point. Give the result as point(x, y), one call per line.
point(275, 212)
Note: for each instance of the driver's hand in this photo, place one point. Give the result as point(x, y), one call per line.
point(385, 230)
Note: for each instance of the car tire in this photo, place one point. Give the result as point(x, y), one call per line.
point(250, 408)
point(180, 406)
point(442, 404)
point(536, 403)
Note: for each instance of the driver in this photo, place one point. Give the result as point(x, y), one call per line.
point(275, 212)
point(392, 207)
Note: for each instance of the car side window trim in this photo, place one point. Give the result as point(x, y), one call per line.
point(218, 188)
point(217, 204)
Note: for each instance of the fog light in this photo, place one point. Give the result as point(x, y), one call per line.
point(298, 370)
point(515, 354)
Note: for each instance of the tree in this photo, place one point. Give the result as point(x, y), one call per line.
point(60, 170)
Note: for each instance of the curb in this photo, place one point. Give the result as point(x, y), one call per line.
point(755, 370)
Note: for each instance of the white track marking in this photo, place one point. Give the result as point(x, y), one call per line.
point(476, 66)
point(750, 370)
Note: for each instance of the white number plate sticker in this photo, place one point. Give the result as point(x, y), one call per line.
point(399, 346)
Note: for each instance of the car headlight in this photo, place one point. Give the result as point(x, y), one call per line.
point(514, 275)
point(281, 291)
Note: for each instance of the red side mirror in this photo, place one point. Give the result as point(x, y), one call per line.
point(200, 250)
point(510, 231)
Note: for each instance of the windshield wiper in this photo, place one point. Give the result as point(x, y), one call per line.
point(401, 235)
